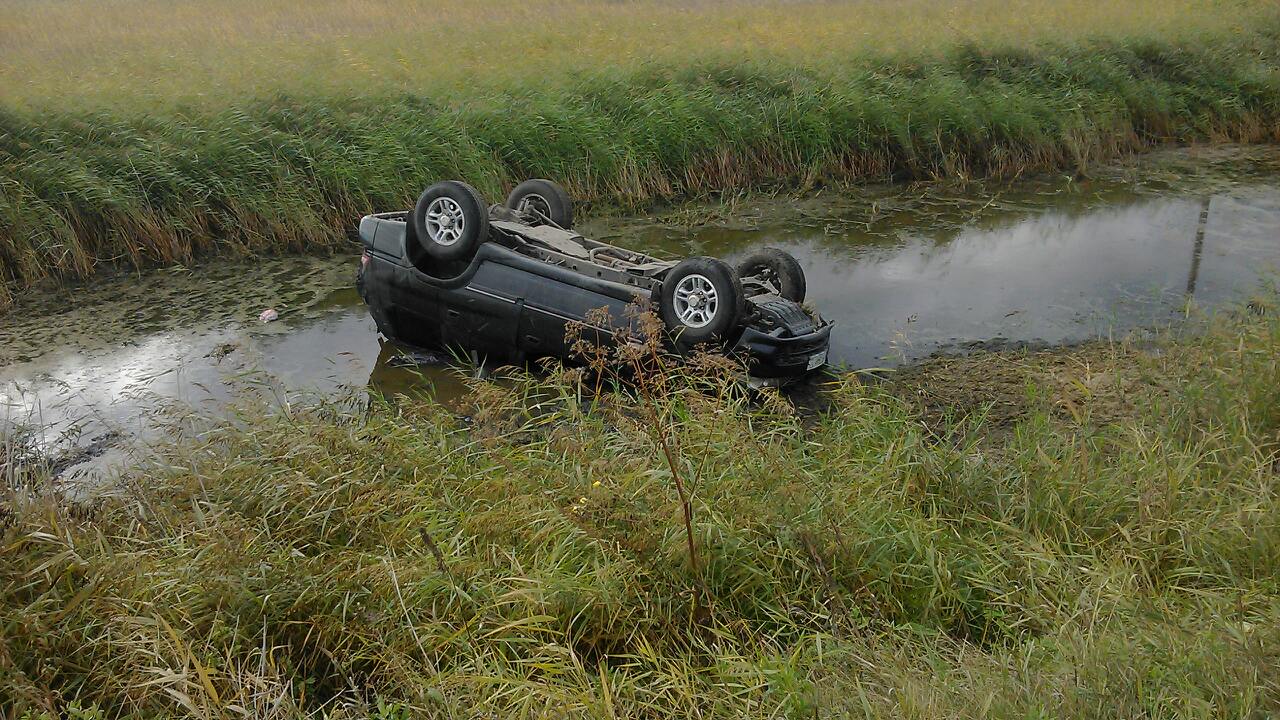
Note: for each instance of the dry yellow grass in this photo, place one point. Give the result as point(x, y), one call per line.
point(72, 53)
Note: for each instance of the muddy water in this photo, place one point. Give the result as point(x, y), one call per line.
point(904, 271)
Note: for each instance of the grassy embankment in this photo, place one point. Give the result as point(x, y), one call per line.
point(159, 131)
point(1085, 533)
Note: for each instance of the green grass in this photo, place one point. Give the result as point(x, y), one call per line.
point(125, 169)
point(1109, 548)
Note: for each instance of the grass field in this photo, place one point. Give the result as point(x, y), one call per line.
point(136, 54)
point(158, 132)
point(1086, 533)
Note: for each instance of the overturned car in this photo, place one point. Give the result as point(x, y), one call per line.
point(504, 282)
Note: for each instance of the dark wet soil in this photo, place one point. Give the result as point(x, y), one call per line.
point(1095, 383)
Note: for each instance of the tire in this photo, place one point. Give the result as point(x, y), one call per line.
point(706, 281)
point(450, 220)
point(547, 198)
point(776, 268)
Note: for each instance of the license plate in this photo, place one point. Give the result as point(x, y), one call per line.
point(817, 361)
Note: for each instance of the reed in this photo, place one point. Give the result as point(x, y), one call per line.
point(1109, 549)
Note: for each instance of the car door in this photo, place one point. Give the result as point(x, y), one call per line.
point(483, 314)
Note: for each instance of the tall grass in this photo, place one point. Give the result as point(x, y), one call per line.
point(158, 176)
point(1111, 551)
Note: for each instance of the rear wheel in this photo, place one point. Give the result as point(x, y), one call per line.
point(450, 220)
point(700, 301)
point(777, 269)
point(543, 200)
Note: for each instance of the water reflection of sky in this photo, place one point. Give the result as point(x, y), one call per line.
point(1047, 277)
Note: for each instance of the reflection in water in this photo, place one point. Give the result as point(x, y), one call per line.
point(1048, 278)
point(903, 272)
point(1198, 251)
point(401, 370)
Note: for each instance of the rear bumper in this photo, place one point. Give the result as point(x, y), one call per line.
point(774, 357)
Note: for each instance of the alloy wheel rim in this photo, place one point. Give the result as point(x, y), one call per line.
point(696, 301)
point(445, 221)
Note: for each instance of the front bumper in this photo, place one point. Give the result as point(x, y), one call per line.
point(769, 356)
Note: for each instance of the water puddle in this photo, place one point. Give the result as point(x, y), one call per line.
point(905, 272)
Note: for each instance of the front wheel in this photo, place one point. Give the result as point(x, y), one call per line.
point(450, 220)
point(700, 301)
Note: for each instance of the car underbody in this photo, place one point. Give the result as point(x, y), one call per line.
point(514, 294)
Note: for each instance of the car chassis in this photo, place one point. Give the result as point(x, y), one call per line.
point(529, 278)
